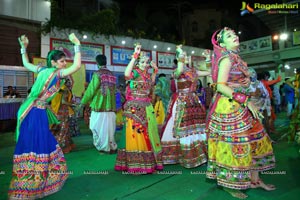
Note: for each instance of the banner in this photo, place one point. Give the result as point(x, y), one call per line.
point(89, 51)
point(122, 55)
point(296, 37)
point(78, 77)
point(256, 45)
point(198, 62)
point(165, 60)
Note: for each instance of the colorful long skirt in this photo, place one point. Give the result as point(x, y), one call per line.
point(39, 166)
point(184, 139)
point(136, 154)
point(73, 122)
point(87, 114)
point(61, 131)
point(237, 145)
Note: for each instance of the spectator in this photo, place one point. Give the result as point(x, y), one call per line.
point(11, 93)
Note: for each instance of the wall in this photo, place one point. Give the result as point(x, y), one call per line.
point(36, 10)
point(115, 41)
point(19, 17)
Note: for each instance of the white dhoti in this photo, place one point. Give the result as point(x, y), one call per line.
point(103, 127)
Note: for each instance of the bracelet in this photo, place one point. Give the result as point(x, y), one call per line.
point(181, 59)
point(23, 50)
point(77, 48)
point(240, 98)
point(135, 55)
point(155, 70)
point(208, 61)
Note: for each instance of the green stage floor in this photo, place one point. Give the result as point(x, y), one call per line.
point(92, 175)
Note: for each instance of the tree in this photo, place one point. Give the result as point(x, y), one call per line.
point(179, 7)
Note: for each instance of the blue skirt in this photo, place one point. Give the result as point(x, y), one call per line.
point(39, 166)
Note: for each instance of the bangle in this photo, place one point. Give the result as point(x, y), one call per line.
point(208, 61)
point(155, 70)
point(181, 59)
point(23, 50)
point(135, 55)
point(77, 48)
point(240, 98)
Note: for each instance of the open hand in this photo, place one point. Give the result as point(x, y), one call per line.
point(153, 64)
point(179, 52)
point(74, 39)
point(207, 54)
point(245, 81)
point(138, 48)
point(23, 41)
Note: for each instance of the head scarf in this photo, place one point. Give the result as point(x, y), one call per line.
point(217, 54)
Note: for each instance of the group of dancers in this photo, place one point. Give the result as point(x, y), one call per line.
point(229, 136)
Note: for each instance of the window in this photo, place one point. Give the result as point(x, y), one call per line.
point(194, 27)
point(20, 80)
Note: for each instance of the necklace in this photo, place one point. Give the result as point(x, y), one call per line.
point(144, 74)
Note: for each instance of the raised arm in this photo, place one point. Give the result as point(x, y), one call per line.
point(207, 55)
point(23, 41)
point(272, 82)
point(203, 73)
point(137, 51)
point(180, 56)
point(155, 70)
point(290, 82)
point(77, 58)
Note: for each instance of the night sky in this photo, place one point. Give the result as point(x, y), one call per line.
point(233, 7)
point(161, 18)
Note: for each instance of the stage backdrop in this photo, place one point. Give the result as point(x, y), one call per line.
point(121, 56)
point(78, 77)
point(256, 45)
point(89, 51)
point(165, 60)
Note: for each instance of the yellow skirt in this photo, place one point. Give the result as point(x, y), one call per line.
point(237, 144)
point(142, 150)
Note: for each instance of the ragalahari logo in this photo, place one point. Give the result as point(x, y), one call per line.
point(246, 9)
point(274, 8)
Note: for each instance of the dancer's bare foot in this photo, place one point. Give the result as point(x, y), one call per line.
point(113, 151)
point(260, 184)
point(236, 193)
point(66, 150)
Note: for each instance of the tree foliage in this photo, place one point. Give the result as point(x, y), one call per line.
point(108, 21)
